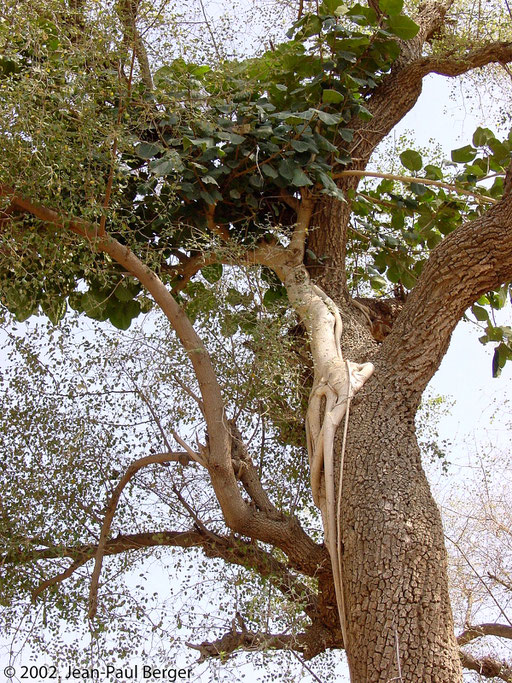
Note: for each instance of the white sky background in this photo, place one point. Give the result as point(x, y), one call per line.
point(465, 374)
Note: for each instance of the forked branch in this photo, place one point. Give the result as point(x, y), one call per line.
point(109, 516)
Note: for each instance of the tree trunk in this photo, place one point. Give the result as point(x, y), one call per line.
point(398, 620)
point(398, 615)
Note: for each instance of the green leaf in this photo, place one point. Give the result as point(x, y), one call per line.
point(269, 171)
point(229, 325)
point(234, 297)
point(199, 71)
point(463, 155)
point(126, 291)
point(332, 96)
point(418, 189)
point(236, 139)
point(496, 370)
point(300, 145)
point(328, 119)
point(209, 180)
point(499, 150)
point(475, 171)
point(332, 5)
point(391, 6)
point(162, 74)
point(502, 354)
point(480, 313)
point(54, 307)
point(378, 283)
point(499, 299)
point(411, 160)
point(330, 187)
point(287, 168)
point(433, 172)
point(364, 16)
point(300, 179)
point(274, 295)
point(407, 279)
point(481, 137)
point(122, 316)
point(212, 273)
point(147, 150)
point(94, 305)
point(393, 273)
point(402, 26)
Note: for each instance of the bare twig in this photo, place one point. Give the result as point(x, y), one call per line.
point(210, 31)
point(193, 514)
point(505, 584)
point(457, 545)
point(193, 455)
point(413, 179)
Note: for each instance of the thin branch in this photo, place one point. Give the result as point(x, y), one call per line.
point(308, 668)
point(127, 11)
point(153, 414)
point(474, 632)
point(505, 584)
point(478, 575)
point(210, 31)
point(193, 514)
point(58, 578)
point(456, 65)
point(113, 153)
point(189, 391)
point(412, 179)
point(109, 516)
point(192, 454)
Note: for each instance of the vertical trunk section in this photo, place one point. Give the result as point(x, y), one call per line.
point(398, 616)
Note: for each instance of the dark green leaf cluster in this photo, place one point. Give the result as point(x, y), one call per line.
point(274, 124)
point(232, 146)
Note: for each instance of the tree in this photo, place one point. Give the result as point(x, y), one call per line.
point(131, 182)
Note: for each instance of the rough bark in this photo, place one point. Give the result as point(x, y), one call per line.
point(394, 561)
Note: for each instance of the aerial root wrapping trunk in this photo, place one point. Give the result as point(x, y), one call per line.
point(335, 382)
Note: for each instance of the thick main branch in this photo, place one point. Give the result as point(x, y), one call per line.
point(475, 259)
